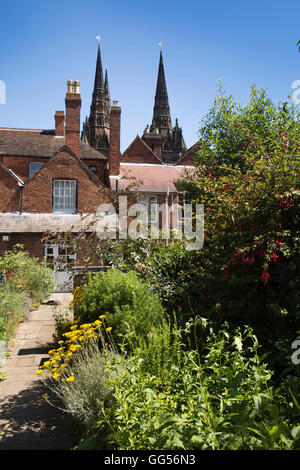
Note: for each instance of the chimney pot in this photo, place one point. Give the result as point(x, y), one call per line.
point(70, 85)
point(77, 87)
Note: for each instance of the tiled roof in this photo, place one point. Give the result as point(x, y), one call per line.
point(154, 178)
point(39, 143)
point(12, 222)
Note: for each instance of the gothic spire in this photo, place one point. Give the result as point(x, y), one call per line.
point(96, 130)
point(99, 73)
point(161, 111)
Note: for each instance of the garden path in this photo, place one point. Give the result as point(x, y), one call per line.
point(27, 421)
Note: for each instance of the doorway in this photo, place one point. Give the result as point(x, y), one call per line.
point(61, 259)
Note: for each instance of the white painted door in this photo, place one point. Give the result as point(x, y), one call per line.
point(61, 259)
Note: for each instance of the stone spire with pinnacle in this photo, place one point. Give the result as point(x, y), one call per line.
point(166, 142)
point(161, 112)
point(96, 129)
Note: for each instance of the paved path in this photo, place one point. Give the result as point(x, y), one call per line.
point(27, 421)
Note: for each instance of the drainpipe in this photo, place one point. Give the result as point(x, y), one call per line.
point(21, 199)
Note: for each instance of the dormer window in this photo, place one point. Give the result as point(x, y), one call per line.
point(34, 167)
point(65, 196)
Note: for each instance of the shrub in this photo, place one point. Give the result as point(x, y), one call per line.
point(219, 397)
point(25, 273)
point(128, 303)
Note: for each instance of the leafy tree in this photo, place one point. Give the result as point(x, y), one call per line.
point(230, 132)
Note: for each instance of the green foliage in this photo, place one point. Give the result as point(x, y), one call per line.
point(14, 306)
point(25, 273)
point(218, 397)
point(231, 133)
point(27, 282)
point(128, 303)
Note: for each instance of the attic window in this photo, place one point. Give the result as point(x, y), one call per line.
point(65, 196)
point(93, 169)
point(34, 167)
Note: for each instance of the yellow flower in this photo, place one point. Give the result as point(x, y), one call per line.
point(97, 322)
point(47, 363)
point(74, 327)
point(102, 316)
point(109, 328)
point(52, 351)
point(63, 366)
point(45, 395)
point(70, 379)
point(74, 347)
point(39, 372)
point(56, 375)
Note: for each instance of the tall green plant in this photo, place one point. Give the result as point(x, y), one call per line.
point(131, 308)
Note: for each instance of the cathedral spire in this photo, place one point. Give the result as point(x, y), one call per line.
point(96, 130)
point(165, 141)
point(99, 72)
point(161, 112)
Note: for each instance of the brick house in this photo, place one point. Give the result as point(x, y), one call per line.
point(48, 178)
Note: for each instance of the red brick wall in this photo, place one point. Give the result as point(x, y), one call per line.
point(38, 193)
point(100, 165)
point(138, 152)
point(20, 164)
point(72, 127)
point(31, 241)
point(9, 192)
point(114, 148)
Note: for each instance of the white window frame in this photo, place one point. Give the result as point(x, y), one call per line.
point(65, 196)
point(151, 204)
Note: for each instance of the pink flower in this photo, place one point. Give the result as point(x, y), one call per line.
point(265, 277)
point(247, 259)
point(274, 257)
point(8, 313)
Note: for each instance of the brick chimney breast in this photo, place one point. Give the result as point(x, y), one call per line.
point(115, 135)
point(73, 105)
point(59, 118)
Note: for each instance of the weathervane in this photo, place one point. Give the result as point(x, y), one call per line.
point(160, 45)
point(98, 37)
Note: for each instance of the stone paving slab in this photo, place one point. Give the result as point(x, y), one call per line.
point(27, 421)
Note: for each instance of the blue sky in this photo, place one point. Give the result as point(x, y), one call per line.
point(43, 44)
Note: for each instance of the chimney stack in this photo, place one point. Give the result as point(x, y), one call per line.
point(59, 118)
point(73, 105)
point(114, 146)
